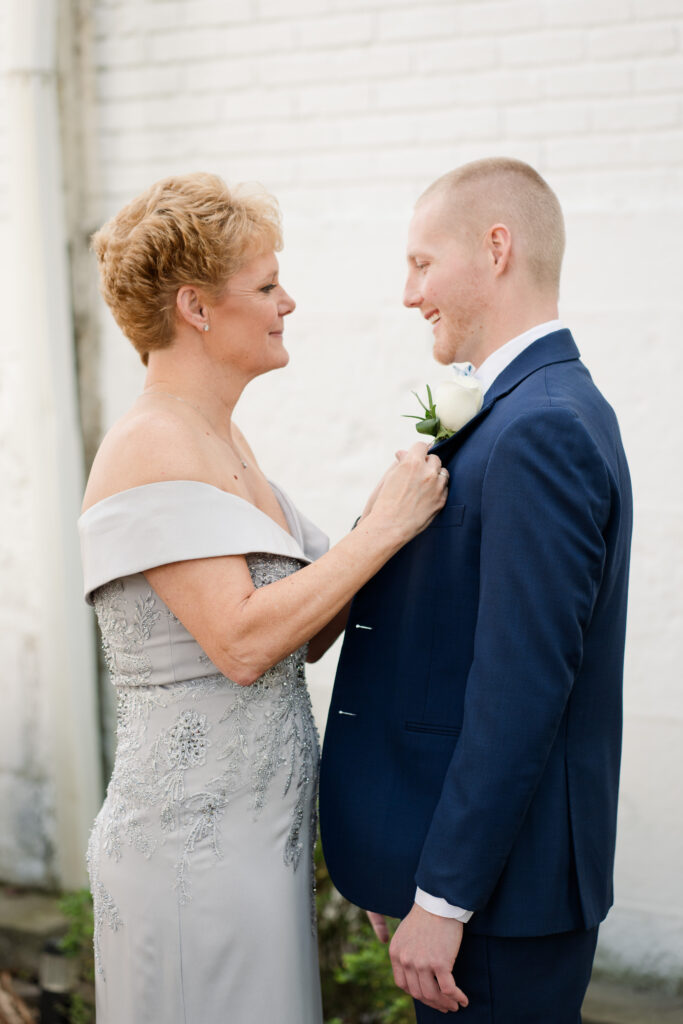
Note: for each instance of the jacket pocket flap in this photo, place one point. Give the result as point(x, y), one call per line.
point(433, 727)
point(451, 515)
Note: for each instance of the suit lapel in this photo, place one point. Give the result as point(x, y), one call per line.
point(558, 347)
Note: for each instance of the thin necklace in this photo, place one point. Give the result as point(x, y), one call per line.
point(201, 413)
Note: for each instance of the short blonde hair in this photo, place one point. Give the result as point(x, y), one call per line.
point(508, 191)
point(189, 229)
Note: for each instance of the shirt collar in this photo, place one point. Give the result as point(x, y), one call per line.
point(503, 356)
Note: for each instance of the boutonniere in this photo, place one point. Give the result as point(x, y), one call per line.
point(454, 404)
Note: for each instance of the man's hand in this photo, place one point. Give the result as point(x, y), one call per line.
point(423, 952)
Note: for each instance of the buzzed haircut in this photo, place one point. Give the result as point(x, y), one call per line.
point(508, 191)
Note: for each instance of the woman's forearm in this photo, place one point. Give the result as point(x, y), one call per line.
point(246, 630)
point(275, 620)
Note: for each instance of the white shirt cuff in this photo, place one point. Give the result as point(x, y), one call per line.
point(437, 905)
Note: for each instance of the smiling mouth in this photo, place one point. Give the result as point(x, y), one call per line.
point(434, 317)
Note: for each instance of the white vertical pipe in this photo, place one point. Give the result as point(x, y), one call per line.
point(42, 315)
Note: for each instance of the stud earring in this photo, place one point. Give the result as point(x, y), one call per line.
point(206, 327)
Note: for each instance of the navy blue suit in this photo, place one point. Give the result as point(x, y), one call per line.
point(473, 741)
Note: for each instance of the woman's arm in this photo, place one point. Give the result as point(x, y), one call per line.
point(242, 629)
point(245, 630)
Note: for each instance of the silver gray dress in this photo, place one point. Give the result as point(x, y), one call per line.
point(201, 857)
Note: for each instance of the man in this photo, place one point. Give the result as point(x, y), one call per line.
point(470, 770)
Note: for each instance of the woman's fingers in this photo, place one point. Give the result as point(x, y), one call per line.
point(413, 491)
point(379, 925)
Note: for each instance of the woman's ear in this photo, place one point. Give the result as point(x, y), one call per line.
point(191, 308)
point(499, 241)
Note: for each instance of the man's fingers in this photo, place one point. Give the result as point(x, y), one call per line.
point(413, 987)
point(435, 987)
point(422, 985)
point(430, 992)
point(461, 997)
point(450, 991)
point(399, 975)
point(423, 951)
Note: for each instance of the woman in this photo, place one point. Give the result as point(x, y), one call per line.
point(208, 585)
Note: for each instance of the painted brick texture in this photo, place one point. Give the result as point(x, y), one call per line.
point(26, 798)
point(299, 71)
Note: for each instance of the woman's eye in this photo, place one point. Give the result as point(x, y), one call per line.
point(268, 288)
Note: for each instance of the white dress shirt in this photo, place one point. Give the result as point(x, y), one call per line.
point(486, 374)
point(503, 356)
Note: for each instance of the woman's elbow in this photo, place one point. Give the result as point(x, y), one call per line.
point(241, 667)
point(243, 676)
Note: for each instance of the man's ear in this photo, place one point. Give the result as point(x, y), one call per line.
point(190, 307)
point(499, 243)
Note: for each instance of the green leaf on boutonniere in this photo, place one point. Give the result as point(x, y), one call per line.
point(429, 424)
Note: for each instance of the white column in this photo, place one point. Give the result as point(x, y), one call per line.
point(41, 314)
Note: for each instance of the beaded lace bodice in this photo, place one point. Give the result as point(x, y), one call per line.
point(189, 739)
point(201, 857)
point(143, 642)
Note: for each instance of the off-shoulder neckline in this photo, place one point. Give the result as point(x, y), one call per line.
point(198, 483)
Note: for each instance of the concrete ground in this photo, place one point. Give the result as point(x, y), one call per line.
point(612, 1002)
point(27, 920)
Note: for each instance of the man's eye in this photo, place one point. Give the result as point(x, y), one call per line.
point(421, 266)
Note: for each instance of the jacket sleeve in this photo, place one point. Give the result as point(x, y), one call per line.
point(545, 503)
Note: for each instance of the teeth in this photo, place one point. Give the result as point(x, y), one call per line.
point(434, 317)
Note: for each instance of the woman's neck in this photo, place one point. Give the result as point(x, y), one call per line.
point(211, 390)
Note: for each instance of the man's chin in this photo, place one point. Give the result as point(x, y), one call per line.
point(449, 350)
point(443, 353)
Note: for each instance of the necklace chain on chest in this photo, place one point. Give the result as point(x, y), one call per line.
point(200, 411)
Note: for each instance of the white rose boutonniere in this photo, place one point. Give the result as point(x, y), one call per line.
point(454, 404)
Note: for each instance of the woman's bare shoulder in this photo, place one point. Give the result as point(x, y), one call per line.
point(147, 446)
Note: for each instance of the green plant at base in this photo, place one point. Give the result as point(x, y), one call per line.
point(78, 943)
point(81, 1011)
point(368, 968)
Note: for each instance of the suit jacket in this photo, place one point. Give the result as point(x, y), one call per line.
point(474, 735)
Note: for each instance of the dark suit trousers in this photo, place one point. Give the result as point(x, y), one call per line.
point(521, 981)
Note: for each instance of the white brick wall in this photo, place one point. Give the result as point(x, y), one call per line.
point(347, 109)
point(3, 121)
point(297, 76)
point(26, 797)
